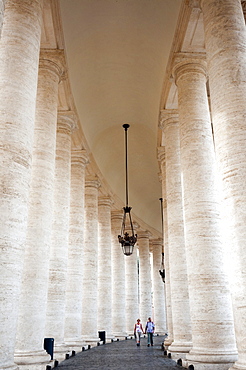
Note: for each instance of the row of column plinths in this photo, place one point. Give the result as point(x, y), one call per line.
point(191, 158)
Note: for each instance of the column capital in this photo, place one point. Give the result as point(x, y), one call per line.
point(54, 60)
point(144, 234)
point(92, 182)
point(67, 120)
point(168, 116)
point(117, 215)
point(79, 156)
point(156, 242)
point(105, 201)
point(189, 63)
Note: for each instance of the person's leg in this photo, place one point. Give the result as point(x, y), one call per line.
point(138, 338)
point(148, 339)
point(151, 338)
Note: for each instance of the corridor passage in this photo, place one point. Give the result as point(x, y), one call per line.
point(122, 355)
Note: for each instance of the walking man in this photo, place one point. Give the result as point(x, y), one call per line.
point(149, 329)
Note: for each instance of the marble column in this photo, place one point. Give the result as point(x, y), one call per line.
point(33, 299)
point(176, 240)
point(73, 309)
point(225, 40)
point(55, 316)
point(118, 277)
point(131, 283)
point(90, 262)
point(104, 315)
point(144, 276)
point(159, 301)
point(210, 301)
point(19, 55)
point(162, 160)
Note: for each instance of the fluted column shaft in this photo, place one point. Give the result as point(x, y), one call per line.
point(33, 300)
point(159, 302)
point(118, 277)
point(225, 39)
point(104, 315)
point(208, 285)
point(162, 159)
point(176, 240)
point(90, 261)
point(55, 317)
point(19, 54)
point(144, 276)
point(131, 283)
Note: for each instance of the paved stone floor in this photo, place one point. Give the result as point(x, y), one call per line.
point(122, 355)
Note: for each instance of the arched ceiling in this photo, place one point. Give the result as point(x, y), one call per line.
point(117, 52)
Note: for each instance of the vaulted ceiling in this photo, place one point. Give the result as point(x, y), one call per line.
point(118, 54)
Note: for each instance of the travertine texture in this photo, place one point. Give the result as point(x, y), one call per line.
point(74, 309)
point(104, 313)
point(118, 277)
point(208, 285)
point(132, 304)
point(176, 241)
point(162, 159)
point(145, 285)
point(2, 6)
point(90, 261)
point(225, 39)
point(19, 53)
point(55, 317)
point(159, 302)
point(33, 301)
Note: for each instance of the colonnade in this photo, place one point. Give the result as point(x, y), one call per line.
point(194, 161)
point(63, 273)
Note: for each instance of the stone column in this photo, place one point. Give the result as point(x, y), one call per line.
point(104, 315)
point(55, 317)
point(208, 285)
point(90, 262)
point(225, 39)
point(118, 277)
point(162, 159)
point(176, 241)
point(33, 300)
point(19, 54)
point(73, 310)
point(144, 276)
point(131, 281)
point(159, 302)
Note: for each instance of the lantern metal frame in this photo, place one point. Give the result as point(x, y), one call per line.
point(127, 240)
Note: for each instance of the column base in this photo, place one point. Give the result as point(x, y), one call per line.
point(75, 344)
point(179, 349)
point(9, 367)
point(36, 360)
point(238, 366)
point(210, 361)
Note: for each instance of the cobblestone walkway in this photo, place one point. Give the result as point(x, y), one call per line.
point(122, 355)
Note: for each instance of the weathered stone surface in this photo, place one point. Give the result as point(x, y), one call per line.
point(208, 284)
point(144, 276)
point(176, 243)
point(73, 310)
point(104, 310)
point(19, 53)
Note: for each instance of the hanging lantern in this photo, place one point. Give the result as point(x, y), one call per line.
point(127, 239)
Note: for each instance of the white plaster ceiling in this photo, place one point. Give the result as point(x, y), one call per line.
point(117, 52)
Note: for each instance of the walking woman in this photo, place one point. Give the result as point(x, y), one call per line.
point(138, 330)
